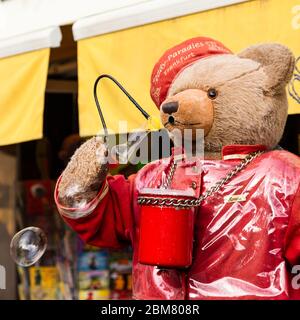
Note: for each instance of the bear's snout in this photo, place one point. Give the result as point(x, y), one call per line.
point(188, 109)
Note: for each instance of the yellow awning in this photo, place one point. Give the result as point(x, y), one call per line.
point(129, 55)
point(22, 83)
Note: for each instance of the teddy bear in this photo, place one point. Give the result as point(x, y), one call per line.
point(246, 237)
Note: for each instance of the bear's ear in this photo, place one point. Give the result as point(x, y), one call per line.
point(278, 63)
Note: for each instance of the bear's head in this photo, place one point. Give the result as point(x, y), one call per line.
point(235, 99)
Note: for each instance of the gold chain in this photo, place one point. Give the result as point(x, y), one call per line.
point(187, 203)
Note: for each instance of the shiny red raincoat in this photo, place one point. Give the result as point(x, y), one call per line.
point(242, 250)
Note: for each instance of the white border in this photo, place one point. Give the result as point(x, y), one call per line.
point(46, 38)
point(141, 14)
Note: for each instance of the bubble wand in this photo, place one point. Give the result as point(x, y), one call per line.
point(124, 151)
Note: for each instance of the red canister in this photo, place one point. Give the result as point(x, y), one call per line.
point(166, 236)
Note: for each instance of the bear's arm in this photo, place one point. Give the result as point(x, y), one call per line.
point(97, 207)
point(107, 220)
point(292, 238)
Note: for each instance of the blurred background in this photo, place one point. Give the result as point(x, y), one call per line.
point(51, 52)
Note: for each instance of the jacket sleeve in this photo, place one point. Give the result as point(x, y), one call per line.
point(107, 220)
point(292, 238)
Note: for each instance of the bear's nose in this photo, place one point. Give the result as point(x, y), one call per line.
point(170, 107)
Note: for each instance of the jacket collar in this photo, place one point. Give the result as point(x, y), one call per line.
point(238, 151)
point(230, 152)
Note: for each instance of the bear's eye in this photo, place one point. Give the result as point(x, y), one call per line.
point(212, 93)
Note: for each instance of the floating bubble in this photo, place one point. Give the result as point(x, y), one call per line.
point(27, 246)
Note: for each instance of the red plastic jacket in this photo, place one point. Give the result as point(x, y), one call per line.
point(242, 250)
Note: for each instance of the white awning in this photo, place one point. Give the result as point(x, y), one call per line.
point(141, 13)
point(20, 16)
point(40, 39)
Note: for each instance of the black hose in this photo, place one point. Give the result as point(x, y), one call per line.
point(144, 113)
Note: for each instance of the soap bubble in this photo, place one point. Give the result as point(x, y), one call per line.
point(27, 246)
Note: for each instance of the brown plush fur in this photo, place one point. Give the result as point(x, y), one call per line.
point(81, 180)
point(251, 108)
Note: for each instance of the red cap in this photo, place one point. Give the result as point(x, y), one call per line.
point(176, 59)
